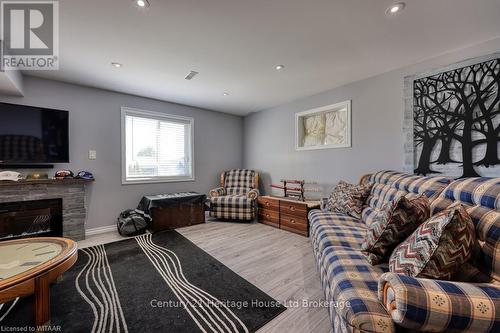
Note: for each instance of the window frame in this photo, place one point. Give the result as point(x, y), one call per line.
point(127, 111)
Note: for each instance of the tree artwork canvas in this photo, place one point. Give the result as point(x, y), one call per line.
point(456, 122)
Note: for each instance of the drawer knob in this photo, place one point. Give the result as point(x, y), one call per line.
point(292, 208)
point(267, 203)
point(267, 215)
point(292, 220)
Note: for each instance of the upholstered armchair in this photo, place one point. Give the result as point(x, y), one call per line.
point(236, 198)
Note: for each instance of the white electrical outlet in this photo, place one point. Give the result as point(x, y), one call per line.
point(92, 154)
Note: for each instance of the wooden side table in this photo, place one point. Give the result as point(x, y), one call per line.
point(29, 265)
point(286, 214)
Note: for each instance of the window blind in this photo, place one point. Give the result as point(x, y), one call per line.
point(157, 148)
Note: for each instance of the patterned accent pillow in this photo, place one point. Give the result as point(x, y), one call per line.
point(438, 248)
point(393, 224)
point(348, 198)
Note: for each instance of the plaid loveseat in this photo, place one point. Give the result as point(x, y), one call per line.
point(236, 198)
point(366, 298)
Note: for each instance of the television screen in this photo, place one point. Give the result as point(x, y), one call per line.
point(32, 135)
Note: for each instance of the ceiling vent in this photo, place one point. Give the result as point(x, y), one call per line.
point(191, 74)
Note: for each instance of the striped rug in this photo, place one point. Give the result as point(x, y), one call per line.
point(150, 283)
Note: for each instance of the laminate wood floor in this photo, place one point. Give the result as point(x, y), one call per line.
point(278, 262)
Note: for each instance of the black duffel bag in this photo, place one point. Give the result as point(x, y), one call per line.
point(131, 223)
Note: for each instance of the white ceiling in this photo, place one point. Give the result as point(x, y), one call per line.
point(235, 44)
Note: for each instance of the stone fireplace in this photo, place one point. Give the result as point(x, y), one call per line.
point(32, 197)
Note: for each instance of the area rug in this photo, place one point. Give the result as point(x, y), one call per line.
point(151, 283)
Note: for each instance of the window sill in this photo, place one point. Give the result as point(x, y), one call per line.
point(157, 180)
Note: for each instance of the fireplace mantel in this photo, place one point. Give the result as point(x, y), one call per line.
point(45, 181)
point(71, 191)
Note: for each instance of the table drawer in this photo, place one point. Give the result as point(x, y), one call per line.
point(293, 224)
point(293, 209)
point(269, 217)
point(293, 221)
point(268, 203)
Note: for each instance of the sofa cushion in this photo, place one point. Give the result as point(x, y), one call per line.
point(416, 185)
point(388, 186)
point(438, 248)
point(318, 217)
point(382, 191)
point(350, 281)
point(238, 207)
point(384, 177)
point(348, 198)
point(380, 195)
point(481, 197)
point(334, 229)
point(242, 178)
point(397, 220)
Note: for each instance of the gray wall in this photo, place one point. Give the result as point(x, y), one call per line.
point(377, 135)
point(95, 124)
point(267, 137)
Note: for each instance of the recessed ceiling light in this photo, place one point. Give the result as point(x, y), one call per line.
point(142, 3)
point(395, 8)
point(279, 67)
point(226, 94)
point(116, 64)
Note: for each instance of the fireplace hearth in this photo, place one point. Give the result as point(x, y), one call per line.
point(35, 218)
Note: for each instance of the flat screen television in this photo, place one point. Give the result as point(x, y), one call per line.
point(32, 135)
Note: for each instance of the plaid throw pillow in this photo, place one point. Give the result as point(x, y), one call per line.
point(392, 225)
point(438, 248)
point(348, 198)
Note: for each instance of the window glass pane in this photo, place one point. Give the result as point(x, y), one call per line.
point(141, 150)
point(172, 157)
point(157, 148)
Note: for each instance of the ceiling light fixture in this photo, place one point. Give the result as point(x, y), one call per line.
point(226, 94)
point(395, 8)
point(142, 3)
point(116, 64)
point(279, 67)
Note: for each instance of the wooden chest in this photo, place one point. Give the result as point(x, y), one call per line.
point(173, 210)
point(177, 216)
point(286, 214)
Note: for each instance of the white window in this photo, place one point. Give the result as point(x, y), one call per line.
point(156, 147)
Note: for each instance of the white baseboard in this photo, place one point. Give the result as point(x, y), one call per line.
point(100, 230)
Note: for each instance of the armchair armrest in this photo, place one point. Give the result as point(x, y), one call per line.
point(253, 193)
point(217, 192)
point(438, 306)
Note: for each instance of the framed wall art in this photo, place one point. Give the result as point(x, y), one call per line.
point(454, 116)
point(324, 127)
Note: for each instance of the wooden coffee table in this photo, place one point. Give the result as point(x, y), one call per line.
point(28, 266)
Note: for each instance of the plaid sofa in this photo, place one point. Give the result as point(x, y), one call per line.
point(366, 298)
point(471, 306)
point(236, 198)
